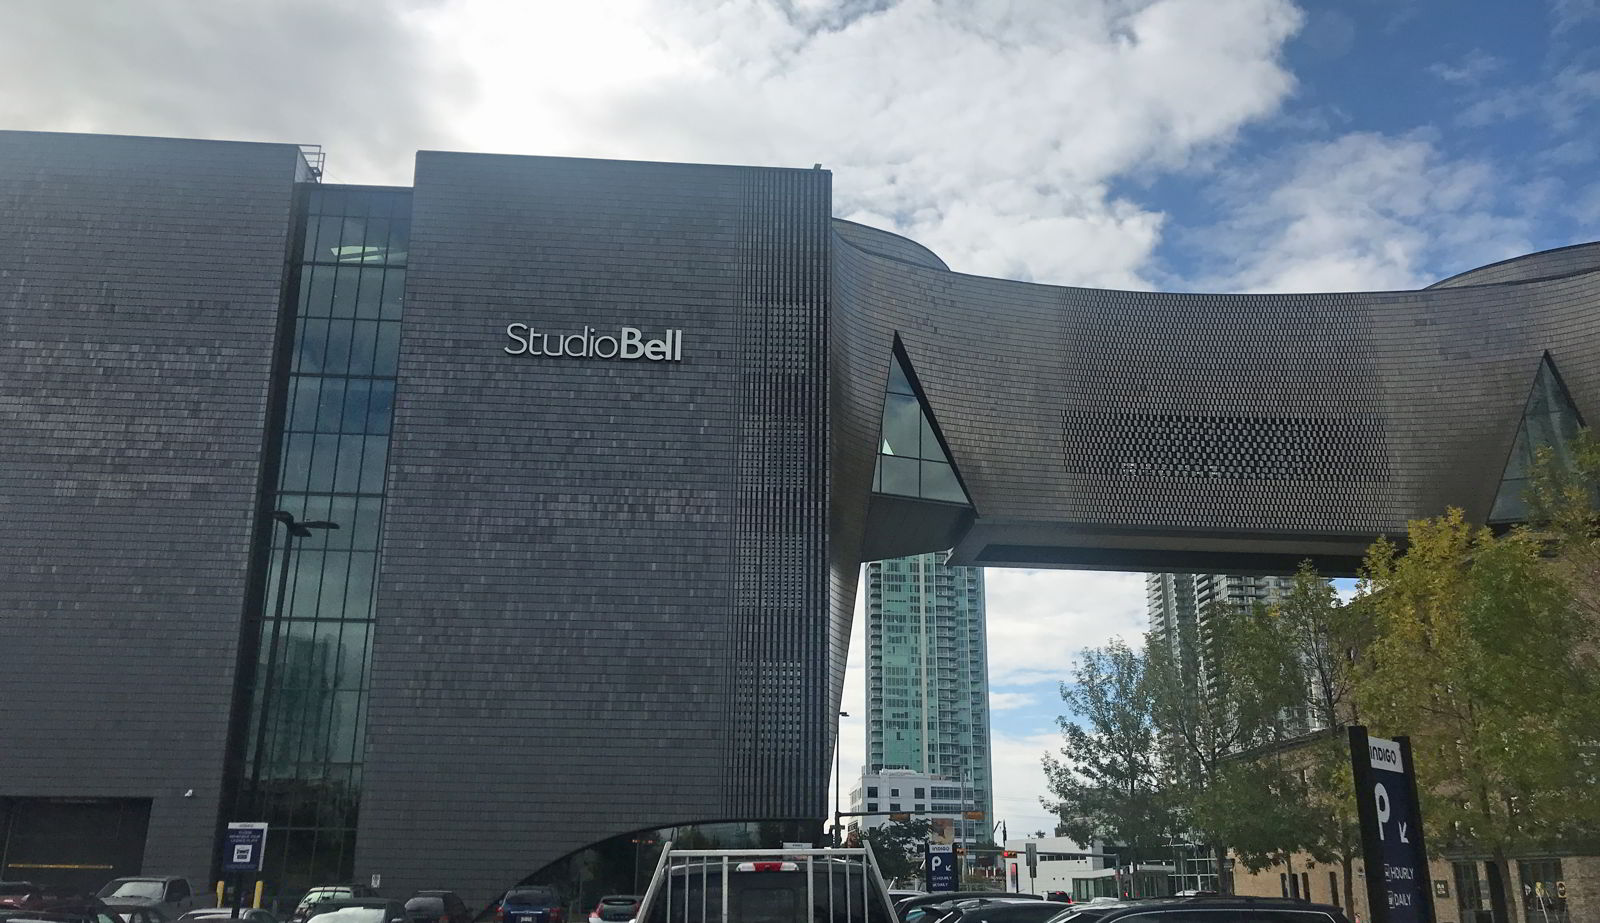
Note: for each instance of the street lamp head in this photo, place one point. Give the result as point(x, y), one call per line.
point(301, 529)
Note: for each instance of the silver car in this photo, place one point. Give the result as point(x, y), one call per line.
point(171, 896)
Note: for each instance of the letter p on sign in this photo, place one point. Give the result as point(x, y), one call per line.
point(1381, 796)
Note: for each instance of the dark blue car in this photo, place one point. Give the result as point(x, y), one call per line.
point(531, 905)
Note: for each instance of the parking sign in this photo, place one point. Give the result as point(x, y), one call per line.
point(1396, 857)
point(243, 846)
point(941, 867)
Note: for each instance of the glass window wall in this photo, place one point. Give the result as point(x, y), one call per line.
point(1549, 421)
point(307, 737)
point(911, 463)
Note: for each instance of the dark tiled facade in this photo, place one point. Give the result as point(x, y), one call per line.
point(139, 290)
point(610, 594)
point(602, 583)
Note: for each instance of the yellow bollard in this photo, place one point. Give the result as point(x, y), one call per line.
point(219, 894)
point(259, 885)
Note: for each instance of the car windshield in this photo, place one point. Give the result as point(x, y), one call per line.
point(151, 890)
point(1016, 912)
point(351, 915)
point(427, 904)
point(1253, 915)
point(15, 887)
point(531, 896)
point(324, 894)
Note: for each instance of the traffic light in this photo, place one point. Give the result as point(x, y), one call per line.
point(973, 815)
point(1010, 854)
point(900, 817)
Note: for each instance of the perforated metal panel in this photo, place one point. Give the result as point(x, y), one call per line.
point(780, 605)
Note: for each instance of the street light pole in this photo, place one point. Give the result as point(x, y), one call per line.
point(838, 780)
point(636, 844)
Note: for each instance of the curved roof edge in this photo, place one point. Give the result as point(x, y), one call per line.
point(1570, 260)
point(887, 244)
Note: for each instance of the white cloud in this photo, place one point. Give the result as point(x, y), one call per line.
point(1005, 701)
point(1361, 212)
point(357, 76)
point(988, 130)
point(1570, 14)
point(1040, 619)
point(1019, 781)
point(1469, 70)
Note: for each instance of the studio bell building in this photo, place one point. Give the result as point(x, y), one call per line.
point(455, 529)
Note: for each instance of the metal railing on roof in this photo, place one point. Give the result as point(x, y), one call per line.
point(316, 159)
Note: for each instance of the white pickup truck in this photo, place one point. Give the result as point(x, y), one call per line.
point(766, 886)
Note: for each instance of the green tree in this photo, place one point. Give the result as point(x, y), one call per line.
point(898, 847)
point(1233, 683)
point(1253, 766)
point(1109, 779)
point(1562, 500)
point(1481, 652)
point(1322, 632)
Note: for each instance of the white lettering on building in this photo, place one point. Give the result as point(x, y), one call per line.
point(628, 343)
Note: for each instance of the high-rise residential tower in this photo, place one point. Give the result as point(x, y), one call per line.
point(928, 680)
point(1180, 604)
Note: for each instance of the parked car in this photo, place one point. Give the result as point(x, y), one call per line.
point(930, 907)
point(60, 910)
point(20, 895)
point(1004, 910)
point(531, 904)
point(804, 886)
point(323, 893)
point(616, 908)
point(359, 910)
point(219, 914)
point(437, 907)
point(138, 913)
point(1188, 909)
point(172, 896)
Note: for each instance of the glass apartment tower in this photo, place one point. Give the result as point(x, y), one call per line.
point(1180, 607)
point(928, 683)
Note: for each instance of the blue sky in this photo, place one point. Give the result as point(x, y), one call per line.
point(1494, 99)
point(1223, 145)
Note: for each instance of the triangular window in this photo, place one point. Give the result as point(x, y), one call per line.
point(911, 462)
point(1551, 421)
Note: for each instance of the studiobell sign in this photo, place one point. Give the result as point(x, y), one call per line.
point(626, 343)
point(1391, 829)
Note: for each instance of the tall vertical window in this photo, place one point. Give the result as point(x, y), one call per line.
point(307, 735)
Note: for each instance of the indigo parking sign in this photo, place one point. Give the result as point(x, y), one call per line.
point(1391, 829)
point(941, 867)
point(243, 846)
